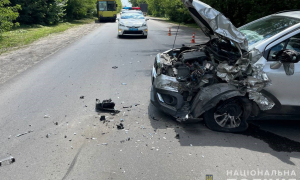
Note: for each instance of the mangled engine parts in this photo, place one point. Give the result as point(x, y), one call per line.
point(200, 66)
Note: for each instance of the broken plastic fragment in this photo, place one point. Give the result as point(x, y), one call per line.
point(81, 97)
point(124, 84)
point(120, 126)
point(24, 133)
point(46, 116)
point(8, 160)
point(115, 67)
point(106, 105)
point(102, 118)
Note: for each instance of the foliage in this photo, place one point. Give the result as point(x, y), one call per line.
point(7, 15)
point(119, 3)
point(238, 11)
point(78, 9)
point(40, 11)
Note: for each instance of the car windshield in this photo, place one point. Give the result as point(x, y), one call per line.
point(266, 28)
point(132, 16)
point(107, 6)
point(140, 12)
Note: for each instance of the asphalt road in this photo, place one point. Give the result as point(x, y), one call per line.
point(68, 139)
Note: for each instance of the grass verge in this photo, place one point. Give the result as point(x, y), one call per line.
point(26, 34)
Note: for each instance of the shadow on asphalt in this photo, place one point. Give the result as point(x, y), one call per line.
point(280, 136)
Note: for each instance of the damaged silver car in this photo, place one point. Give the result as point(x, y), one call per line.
point(251, 72)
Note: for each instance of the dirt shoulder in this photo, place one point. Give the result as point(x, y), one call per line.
point(15, 62)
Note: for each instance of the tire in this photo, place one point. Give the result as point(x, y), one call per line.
point(99, 20)
point(145, 37)
point(120, 36)
point(229, 116)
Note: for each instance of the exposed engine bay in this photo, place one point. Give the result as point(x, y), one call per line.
point(218, 61)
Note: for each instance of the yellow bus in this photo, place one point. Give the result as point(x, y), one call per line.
point(107, 10)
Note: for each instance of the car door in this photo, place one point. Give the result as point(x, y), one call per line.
point(284, 87)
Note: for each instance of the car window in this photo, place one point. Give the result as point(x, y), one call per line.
point(266, 28)
point(292, 43)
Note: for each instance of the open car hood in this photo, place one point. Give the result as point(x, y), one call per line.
point(213, 23)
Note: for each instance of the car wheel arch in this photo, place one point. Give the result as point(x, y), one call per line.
point(209, 97)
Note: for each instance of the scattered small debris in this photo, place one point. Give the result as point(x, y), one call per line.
point(120, 126)
point(127, 107)
point(102, 118)
point(104, 144)
point(122, 141)
point(177, 136)
point(106, 105)
point(46, 116)
point(124, 84)
point(7, 161)
point(136, 104)
point(191, 144)
point(65, 136)
point(56, 123)
point(122, 120)
point(81, 97)
point(74, 133)
point(24, 133)
point(94, 138)
point(47, 135)
point(115, 67)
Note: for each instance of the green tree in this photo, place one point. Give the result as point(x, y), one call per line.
point(120, 6)
point(8, 14)
point(40, 11)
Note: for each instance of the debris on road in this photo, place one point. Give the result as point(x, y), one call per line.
point(46, 116)
point(106, 105)
point(47, 136)
point(24, 133)
point(81, 97)
point(127, 107)
point(124, 84)
point(177, 136)
point(115, 67)
point(56, 123)
point(102, 118)
point(104, 144)
point(7, 161)
point(120, 126)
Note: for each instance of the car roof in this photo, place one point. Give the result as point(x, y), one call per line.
point(293, 14)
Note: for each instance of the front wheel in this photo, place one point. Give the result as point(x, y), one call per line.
point(229, 116)
point(145, 36)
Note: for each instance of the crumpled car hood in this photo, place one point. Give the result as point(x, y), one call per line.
point(212, 22)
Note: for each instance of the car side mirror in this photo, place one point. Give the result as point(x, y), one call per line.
point(288, 58)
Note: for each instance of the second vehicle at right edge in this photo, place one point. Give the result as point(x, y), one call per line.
point(251, 72)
